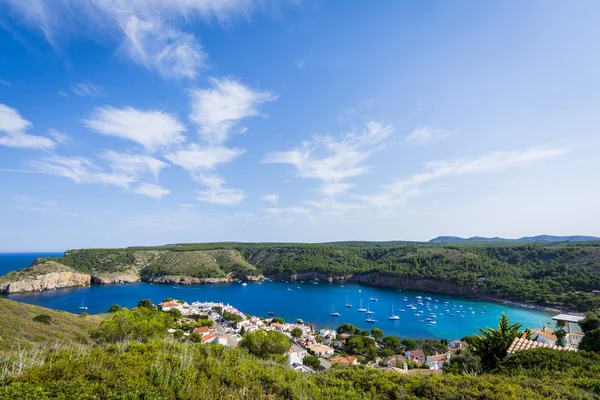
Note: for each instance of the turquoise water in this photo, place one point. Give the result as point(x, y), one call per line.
point(312, 303)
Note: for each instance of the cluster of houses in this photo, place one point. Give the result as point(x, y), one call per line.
point(322, 343)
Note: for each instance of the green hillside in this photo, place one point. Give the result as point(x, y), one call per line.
point(18, 329)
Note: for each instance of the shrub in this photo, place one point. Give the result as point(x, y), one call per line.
point(43, 318)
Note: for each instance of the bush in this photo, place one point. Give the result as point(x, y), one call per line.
point(114, 308)
point(264, 344)
point(43, 318)
point(139, 324)
point(311, 362)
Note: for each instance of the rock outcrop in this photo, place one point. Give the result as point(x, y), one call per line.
point(107, 279)
point(183, 280)
point(53, 280)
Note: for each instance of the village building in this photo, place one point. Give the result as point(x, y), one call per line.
point(544, 335)
point(523, 343)
point(415, 355)
point(295, 355)
point(320, 349)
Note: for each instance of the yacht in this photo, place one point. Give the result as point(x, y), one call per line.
point(369, 311)
point(401, 309)
point(82, 307)
point(370, 320)
point(361, 309)
point(373, 299)
point(393, 317)
point(428, 298)
point(348, 303)
point(270, 313)
point(432, 323)
point(244, 284)
point(418, 297)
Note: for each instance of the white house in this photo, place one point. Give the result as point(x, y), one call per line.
point(328, 333)
point(544, 335)
point(437, 361)
point(295, 355)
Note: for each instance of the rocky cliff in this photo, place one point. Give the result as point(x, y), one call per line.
point(52, 280)
point(118, 278)
point(435, 286)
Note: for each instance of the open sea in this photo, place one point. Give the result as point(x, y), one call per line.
point(312, 303)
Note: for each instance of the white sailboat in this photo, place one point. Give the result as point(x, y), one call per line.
point(333, 313)
point(369, 311)
point(370, 320)
point(82, 307)
point(348, 303)
point(361, 309)
point(393, 316)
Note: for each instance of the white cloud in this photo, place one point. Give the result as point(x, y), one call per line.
point(152, 129)
point(80, 170)
point(151, 190)
point(184, 205)
point(334, 161)
point(133, 164)
point(426, 133)
point(14, 127)
point(217, 110)
point(148, 30)
point(59, 137)
point(196, 159)
point(334, 189)
point(5, 83)
point(215, 192)
point(271, 198)
point(221, 195)
point(400, 191)
point(87, 89)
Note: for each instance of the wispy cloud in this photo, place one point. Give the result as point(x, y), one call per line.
point(217, 110)
point(133, 164)
point(5, 83)
point(147, 31)
point(80, 170)
point(334, 161)
point(151, 190)
point(87, 89)
point(400, 191)
point(426, 134)
point(186, 205)
point(197, 159)
point(153, 129)
point(216, 193)
point(14, 127)
point(356, 110)
point(58, 136)
point(271, 198)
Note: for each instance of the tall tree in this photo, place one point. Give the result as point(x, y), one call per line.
point(590, 326)
point(491, 346)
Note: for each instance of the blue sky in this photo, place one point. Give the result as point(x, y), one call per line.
point(138, 122)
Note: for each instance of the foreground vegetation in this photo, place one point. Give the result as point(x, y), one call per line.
point(133, 357)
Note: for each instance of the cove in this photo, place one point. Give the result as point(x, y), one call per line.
point(309, 302)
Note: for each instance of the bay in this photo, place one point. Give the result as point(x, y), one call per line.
point(312, 303)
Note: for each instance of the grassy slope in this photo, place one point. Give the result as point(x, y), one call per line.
point(17, 327)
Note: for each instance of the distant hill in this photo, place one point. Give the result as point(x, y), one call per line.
point(539, 238)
